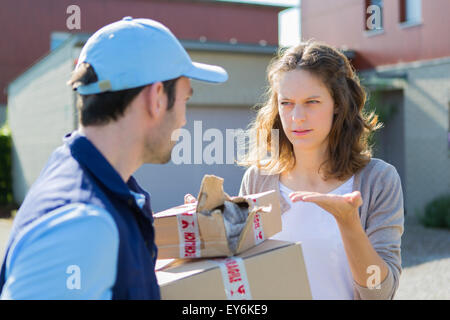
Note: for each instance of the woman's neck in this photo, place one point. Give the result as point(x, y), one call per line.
point(307, 163)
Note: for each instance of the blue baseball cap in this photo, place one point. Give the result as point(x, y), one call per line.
point(135, 52)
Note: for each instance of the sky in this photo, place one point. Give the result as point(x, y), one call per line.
point(288, 22)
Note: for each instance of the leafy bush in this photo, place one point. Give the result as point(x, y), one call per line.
point(437, 213)
point(6, 195)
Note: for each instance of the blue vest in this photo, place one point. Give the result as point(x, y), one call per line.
point(78, 172)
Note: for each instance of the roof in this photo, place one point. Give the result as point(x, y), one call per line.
point(230, 2)
point(79, 39)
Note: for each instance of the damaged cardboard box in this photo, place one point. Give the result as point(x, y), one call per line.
point(203, 229)
point(272, 270)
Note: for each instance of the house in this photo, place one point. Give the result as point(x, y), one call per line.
point(242, 38)
point(402, 54)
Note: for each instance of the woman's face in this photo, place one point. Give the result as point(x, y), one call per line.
point(306, 109)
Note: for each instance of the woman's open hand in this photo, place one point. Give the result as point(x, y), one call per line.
point(343, 207)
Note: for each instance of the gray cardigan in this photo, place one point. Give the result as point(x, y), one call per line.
point(381, 216)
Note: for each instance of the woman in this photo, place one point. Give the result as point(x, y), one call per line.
point(344, 206)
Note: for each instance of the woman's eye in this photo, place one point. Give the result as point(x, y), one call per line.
point(313, 101)
point(285, 103)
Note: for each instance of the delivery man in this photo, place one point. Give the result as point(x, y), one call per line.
point(85, 228)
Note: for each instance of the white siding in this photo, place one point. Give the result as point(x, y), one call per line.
point(246, 82)
point(41, 112)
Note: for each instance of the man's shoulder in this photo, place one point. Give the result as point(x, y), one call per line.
point(67, 223)
point(76, 216)
point(82, 233)
point(61, 166)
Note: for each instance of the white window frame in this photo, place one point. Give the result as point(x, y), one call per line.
point(413, 14)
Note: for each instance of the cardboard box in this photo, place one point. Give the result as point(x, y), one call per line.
point(185, 232)
point(272, 270)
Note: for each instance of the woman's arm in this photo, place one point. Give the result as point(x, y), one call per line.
point(384, 229)
point(368, 269)
point(373, 254)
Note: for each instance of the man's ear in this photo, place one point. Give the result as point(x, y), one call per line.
point(155, 98)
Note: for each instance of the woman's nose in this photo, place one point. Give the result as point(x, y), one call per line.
point(298, 114)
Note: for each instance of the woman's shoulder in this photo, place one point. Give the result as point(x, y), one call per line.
point(376, 171)
point(258, 180)
point(255, 173)
point(381, 190)
point(377, 167)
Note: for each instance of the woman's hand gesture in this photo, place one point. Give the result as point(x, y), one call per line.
point(343, 207)
point(189, 198)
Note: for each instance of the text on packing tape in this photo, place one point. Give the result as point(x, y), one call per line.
point(258, 230)
point(234, 277)
point(189, 234)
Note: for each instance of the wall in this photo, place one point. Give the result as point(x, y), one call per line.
point(169, 183)
point(2, 114)
point(427, 155)
point(345, 25)
point(217, 106)
point(390, 145)
point(246, 78)
point(216, 21)
point(41, 112)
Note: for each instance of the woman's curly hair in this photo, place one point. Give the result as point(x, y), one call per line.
point(348, 148)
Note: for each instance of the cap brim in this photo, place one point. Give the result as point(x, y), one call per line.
point(207, 72)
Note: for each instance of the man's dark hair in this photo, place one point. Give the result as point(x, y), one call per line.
point(101, 108)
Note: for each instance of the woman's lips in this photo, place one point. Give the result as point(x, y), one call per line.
point(300, 132)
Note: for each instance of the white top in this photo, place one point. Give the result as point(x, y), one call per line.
point(323, 251)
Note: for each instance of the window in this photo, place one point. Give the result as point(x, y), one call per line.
point(374, 15)
point(410, 11)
